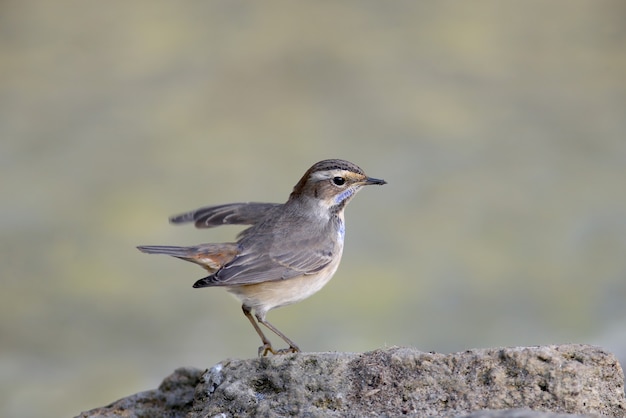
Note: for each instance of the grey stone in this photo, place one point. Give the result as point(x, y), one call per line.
point(173, 399)
point(521, 413)
point(501, 382)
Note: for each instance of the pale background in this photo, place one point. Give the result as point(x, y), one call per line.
point(500, 127)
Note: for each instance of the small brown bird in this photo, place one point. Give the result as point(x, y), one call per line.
point(291, 250)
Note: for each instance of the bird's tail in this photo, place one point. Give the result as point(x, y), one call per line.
point(209, 256)
point(165, 249)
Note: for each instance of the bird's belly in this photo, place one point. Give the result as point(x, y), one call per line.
point(269, 295)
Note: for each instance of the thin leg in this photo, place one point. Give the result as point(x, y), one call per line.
point(293, 348)
point(267, 345)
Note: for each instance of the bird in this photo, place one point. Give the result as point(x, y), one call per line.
point(289, 251)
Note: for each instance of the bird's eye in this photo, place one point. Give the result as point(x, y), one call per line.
point(339, 181)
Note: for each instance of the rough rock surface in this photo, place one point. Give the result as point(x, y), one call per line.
point(173, 399)
point(525, 382)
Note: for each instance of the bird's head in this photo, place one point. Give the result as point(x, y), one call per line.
point(332, 183)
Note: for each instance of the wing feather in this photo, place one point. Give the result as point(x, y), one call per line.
point(248, 213)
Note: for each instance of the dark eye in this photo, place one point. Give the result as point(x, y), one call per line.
point(339, 181)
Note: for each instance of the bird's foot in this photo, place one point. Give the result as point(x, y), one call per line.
point(267, 348)
point(291, 349)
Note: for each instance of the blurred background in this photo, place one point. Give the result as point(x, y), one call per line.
point(500, 127)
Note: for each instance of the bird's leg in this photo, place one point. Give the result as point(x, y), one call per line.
point(267, 345)
point(293, 348)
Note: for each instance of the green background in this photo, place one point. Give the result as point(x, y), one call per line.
point(499, 125)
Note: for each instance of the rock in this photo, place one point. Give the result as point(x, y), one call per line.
point(521, 413)
point(173, 399)
point(504, 382)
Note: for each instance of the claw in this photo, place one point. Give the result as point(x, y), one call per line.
point(266, 348)
point(289, 350)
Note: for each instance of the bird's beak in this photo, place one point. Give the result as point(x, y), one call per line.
point(371, 180)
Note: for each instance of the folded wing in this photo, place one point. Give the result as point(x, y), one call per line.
point(284, 257)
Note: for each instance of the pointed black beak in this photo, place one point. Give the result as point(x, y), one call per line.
point(371, 180)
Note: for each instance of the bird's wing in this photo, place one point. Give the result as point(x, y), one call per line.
point(286, 258)
point(229, 214)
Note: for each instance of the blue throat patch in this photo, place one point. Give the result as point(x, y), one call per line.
point(344, 195)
